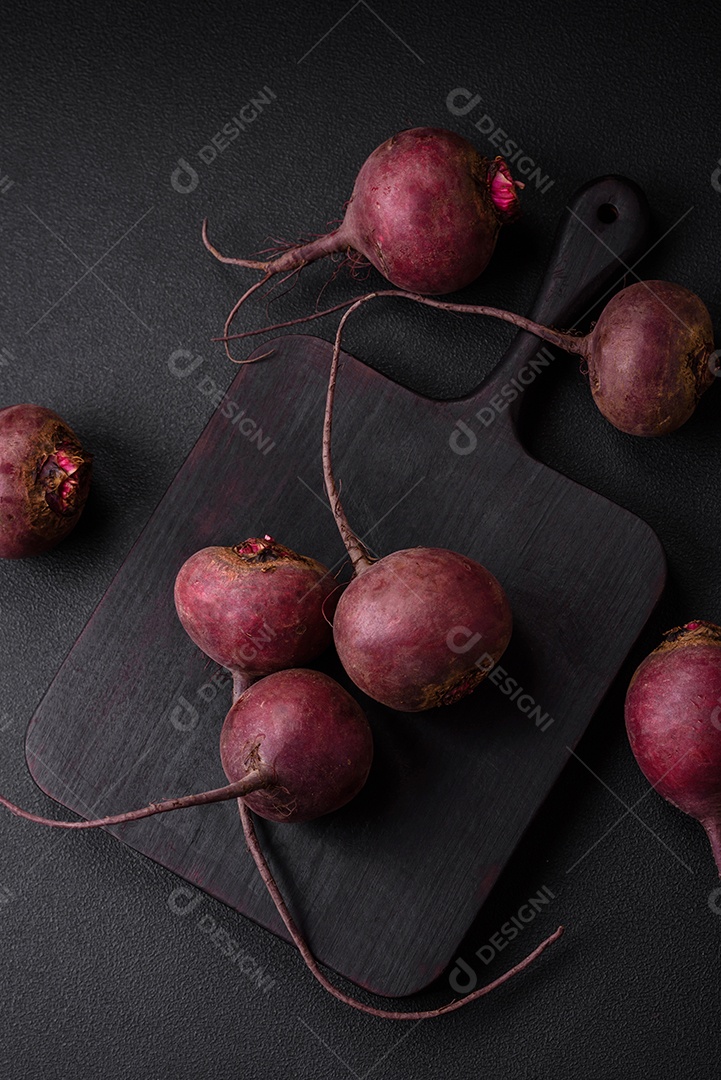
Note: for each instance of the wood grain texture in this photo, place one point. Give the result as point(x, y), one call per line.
point(385, 889)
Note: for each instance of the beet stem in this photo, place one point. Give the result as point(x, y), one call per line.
point(241, 682)
point(292, 258)
point(236, 307)
point(254, 780)
point(312, 964)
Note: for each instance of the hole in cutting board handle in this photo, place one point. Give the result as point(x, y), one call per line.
point(607, 213)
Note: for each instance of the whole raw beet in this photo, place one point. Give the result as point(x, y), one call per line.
point(319, 769)
point(425, 211)
point(427, 208)
point(421, 627)
point(255, 608)
point(44, 480)
point(648, 357)
point(673, 720)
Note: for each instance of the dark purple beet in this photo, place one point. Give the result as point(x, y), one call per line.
point(311, 732)
point(425, 211)
point(673, 720)
point(44, 480)
point(420, 627)
point(649, 356)
point(257, 607)
point(295, 746)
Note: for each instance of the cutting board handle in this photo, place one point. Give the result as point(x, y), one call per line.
point(601, 234)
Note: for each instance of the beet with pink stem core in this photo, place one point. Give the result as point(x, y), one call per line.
point(255, 608)
point(426, 211)
point(673, 720)
point(420, 627)
point(44, 480)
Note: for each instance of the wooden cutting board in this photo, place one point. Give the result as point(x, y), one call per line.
point(386, 888)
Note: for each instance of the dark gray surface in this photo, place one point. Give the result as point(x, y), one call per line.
point(101, 976)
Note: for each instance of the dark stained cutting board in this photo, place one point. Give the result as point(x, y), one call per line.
point(385, 889)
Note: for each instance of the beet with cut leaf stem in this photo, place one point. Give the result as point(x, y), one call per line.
point(255, 608)
point(44, 480)
point(649, 356)
point(426, 211)
point(295, 746)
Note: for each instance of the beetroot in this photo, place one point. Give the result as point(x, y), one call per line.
point(295, 744)
point(649, 356)
point(314, 734)
point(673, 720)
point(403, 625)
point(44, 480)
point(425, 211)
point(421, 627)
point(255, 608)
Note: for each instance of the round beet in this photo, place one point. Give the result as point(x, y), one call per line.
point(294, 746)
point(421, 627)
point(425, 211)
point(44, 480)
point(648, 357)
point(673, 720)
point(311, 732)
point(255, 608)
